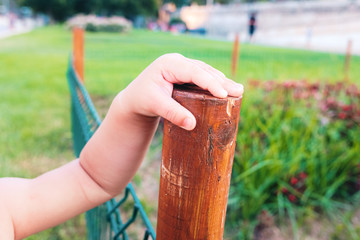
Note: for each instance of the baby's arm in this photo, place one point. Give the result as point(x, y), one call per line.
point(112, 156)
point(32, 205)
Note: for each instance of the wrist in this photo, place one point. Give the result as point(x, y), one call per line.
point(114, 153)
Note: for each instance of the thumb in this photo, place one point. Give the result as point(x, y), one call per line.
point(175, 113)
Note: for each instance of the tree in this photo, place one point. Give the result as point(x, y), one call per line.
point(130, 8)
point(86, 6)
point(56, 9)
point(59, 10)
point(180, 3)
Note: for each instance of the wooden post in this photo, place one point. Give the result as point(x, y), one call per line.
point(78, 52)
point(196, 168)
point(347, 60)
point(235, 56)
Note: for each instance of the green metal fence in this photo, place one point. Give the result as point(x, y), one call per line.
point(104, 221)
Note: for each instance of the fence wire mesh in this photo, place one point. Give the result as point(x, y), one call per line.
point(105, 221)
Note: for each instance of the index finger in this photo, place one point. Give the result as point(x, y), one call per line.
point(179, 69)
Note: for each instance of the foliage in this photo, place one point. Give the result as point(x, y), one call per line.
point(92, 23)
point(59, 10)
point(202, 2)
point(129, 8)
point(180, 3)
point(298, 147)
point(174, 21)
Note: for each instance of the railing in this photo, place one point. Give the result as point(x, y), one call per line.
point(103, 222)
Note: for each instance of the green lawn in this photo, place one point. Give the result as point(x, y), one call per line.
point(34, 100)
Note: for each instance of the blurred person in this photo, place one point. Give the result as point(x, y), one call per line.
point(252, 26)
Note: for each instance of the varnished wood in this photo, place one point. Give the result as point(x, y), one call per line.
point(78, 51)
point(235, 56)
point(196, 168)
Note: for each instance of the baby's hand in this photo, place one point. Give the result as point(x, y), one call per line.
point(115, 151)
point(150, 93)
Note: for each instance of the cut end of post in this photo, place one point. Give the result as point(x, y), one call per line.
point(194, 91)
point(191, 91)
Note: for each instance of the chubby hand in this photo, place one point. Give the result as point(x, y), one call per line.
point(150, 93)
point(114, 153)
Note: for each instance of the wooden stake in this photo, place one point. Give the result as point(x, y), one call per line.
point(347, 60)
point(235, 56)
point(78, 52)
point(196, 168)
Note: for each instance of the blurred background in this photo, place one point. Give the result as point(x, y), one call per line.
point(321, 25)
point(296, 171)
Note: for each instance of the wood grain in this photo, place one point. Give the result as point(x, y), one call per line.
point(78, 51)
point(235, 56)
point(196, 168)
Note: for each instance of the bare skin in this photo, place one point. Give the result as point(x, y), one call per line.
point(111, 157)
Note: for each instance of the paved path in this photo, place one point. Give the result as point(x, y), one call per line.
point(19, 27)
point(325, 25)
point(331, 36)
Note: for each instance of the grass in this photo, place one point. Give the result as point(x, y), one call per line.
point(34, 116)
point(129, 54)
point(34, 100)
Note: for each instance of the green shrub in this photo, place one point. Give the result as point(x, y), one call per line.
point(297, 147)
point(93, 23)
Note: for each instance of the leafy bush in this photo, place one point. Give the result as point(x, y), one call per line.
point(59, 10)
point(298, 147)
point(93, 23)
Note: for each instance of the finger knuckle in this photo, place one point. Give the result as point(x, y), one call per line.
point(170, 115)
point(170, 56)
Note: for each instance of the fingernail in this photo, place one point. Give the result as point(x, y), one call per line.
point(223, 93)
point(240, 87)
point(188, 124)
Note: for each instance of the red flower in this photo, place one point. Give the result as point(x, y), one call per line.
point(254, 83)
point(302, 175)
point(347, 108)
point(269, 86)
point(289, 84)
point(331, 102)
point(292, 198)
point(284, 190)
point(342, 115)
point(313, 87)
point(352, 90)
point(293, 181)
